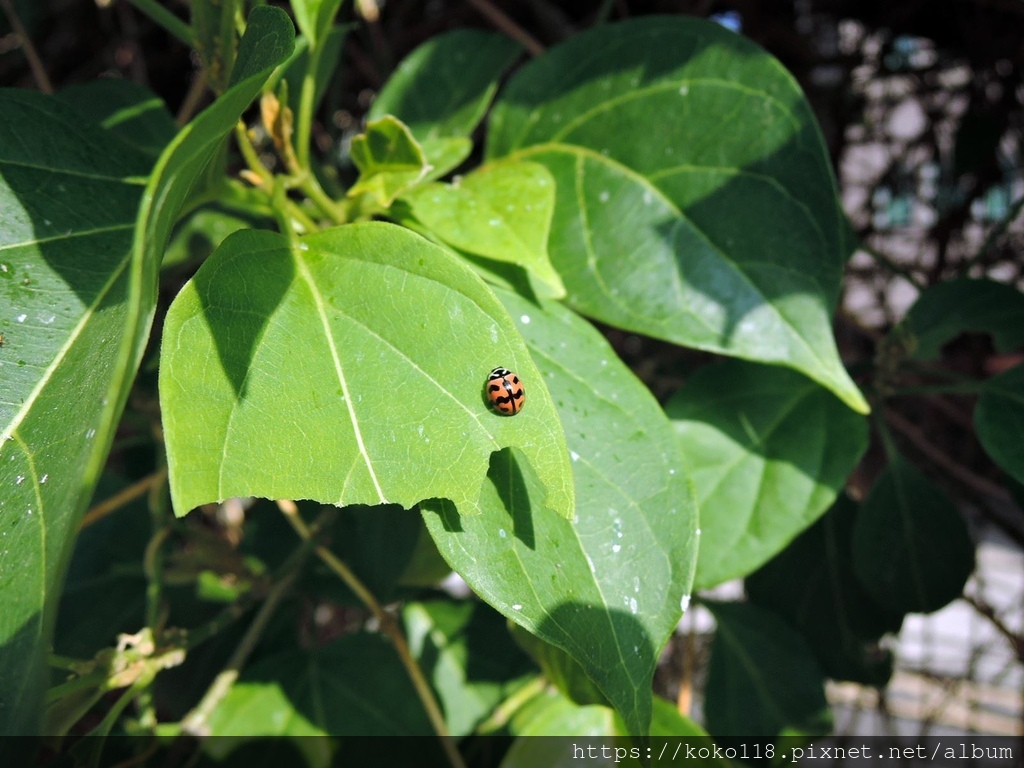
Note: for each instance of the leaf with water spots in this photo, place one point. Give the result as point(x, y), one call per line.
point(79, 258)
point(609, 586)
point(695, 200)
point(348, 368)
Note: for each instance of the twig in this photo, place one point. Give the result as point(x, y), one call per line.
point(122, 497)
point(684, 701)
point(986, 610)
point(914, 434)
point(388, 626)
point(996, 233)
point(190, 105)
point(892, 266)
point(34, 62)
point(498, 18)
point(194, 722)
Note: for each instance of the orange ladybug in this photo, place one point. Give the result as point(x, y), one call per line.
point(505, 392)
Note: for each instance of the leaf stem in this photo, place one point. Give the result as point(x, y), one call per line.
point(892, 266)
point(122, 497)
point(502, 713)
point(309, 184)
point(252, 159)
point(963, 388)
point(167, 20)
point(498, 18)
point(195, 722)
point(34, 62)
point(388, 625)
point(307, 103)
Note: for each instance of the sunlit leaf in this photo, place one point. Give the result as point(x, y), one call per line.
point(606, 587)
point(696, 201)
point(366, 349)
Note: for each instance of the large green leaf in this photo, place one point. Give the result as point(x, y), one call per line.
point(911, 548)
point(763, 680)
point(78, 300)
point(606, 587)
point(813, 586)
point(69, 194)
point(769, 450)
point(348, 369)
point(501, 211)
point(443, 88)
point(947, 309)
point(696, 201)
point(999, 420)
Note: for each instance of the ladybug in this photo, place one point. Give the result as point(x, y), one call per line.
point(505, 392)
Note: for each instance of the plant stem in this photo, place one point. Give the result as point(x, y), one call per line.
point(122, 497)
point(892, 266)
point(167, 20)
point(34, 62)
point(388, 625)
point(499, 19)
point(315, 192)
point(194, 722)
point(513, 703)
point(307, 103)
point(964, 388)
point(249, 155)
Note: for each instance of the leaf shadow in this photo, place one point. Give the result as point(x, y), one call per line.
point(237, 312)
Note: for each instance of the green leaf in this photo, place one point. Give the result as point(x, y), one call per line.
point(389, 161)
point(63, 315)
point(551, 714)
point(607, 586)
point(763, 680)
point(911, 548)
point(768, 451)
point(466, 652)
point(355, 686)
point(501, 211)
point(372, 399)
point(445, 154)
point(946, 310)
point(130, 111)
point(444, 87)
point(85, 295)
point(315, 18)
point(999, 420)
point(268, 41)
point(813, 586)
point(695, 200)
